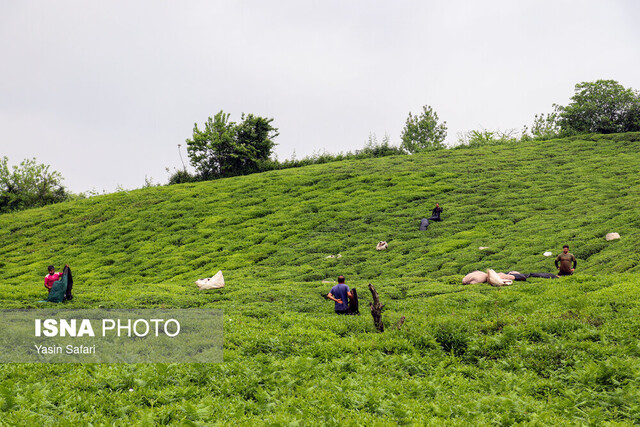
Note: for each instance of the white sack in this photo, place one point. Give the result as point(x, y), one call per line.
point(214, 282)
point(474, 277)
point(494, 280)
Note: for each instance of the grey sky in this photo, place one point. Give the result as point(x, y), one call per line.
point(105, 91)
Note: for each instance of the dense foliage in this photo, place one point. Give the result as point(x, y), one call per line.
point(423, 132)
point(29, 185)
point(224, 148)
point(603, 106)
point(549, 352)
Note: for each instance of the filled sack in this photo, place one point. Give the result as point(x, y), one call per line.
point(494, 279)
point(518, 276)
point(543, 275)
point(215, 282)
point(381, 246)
point(474, 277)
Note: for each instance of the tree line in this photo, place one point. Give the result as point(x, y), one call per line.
point(603, 106)
point(223, 148)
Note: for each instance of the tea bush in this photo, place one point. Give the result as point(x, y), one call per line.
point(550, 352)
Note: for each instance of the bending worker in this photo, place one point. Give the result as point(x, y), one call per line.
point(435, 213)
point(53, 276)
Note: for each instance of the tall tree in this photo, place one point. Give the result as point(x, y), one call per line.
point(423, 132)
point(255, 142)
point(210, 149)
point(603, 106)
point(29, 185)
point(224, 148)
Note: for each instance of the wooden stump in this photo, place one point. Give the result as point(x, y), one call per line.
point(376, 309)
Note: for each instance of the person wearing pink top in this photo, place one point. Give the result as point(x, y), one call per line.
point(51, 277)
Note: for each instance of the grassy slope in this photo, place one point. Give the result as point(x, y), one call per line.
point(527, 353)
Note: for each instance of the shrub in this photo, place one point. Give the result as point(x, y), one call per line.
point(480, 138)
point(603, 106)
point(453, 337)
point(182, 177)
point(423, 132)
point(29, 185)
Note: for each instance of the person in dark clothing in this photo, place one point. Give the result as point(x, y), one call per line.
point(565, 259)
point(341, 294)
point(435, 213)
point(67, 294)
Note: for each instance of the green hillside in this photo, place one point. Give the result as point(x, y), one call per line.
point(541, 351)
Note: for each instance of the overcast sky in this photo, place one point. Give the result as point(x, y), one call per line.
point(104, 91)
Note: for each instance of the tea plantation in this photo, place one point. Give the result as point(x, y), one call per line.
point(541, 352)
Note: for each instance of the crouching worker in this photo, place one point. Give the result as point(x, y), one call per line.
point(341, 294)
point(50, 278)
point(60, 288)
point(435, 213)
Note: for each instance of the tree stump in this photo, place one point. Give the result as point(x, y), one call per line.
point(376, 309)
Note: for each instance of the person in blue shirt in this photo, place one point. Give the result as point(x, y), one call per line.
point(340, 294)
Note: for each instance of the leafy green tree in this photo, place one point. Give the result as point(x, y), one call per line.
point(423, 132)
point(254, 137)
point(210, 148)
point(603, 106)
point(29, 185)
point(224, 148)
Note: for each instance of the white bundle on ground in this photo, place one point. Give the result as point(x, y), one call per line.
point(214, 282)
point(494, 280)
point(612, 236)
point(474, 277)
point(381, 246)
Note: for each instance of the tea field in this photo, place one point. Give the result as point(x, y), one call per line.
point(541, 352)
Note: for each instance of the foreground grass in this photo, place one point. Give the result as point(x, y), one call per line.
point(543, 351)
